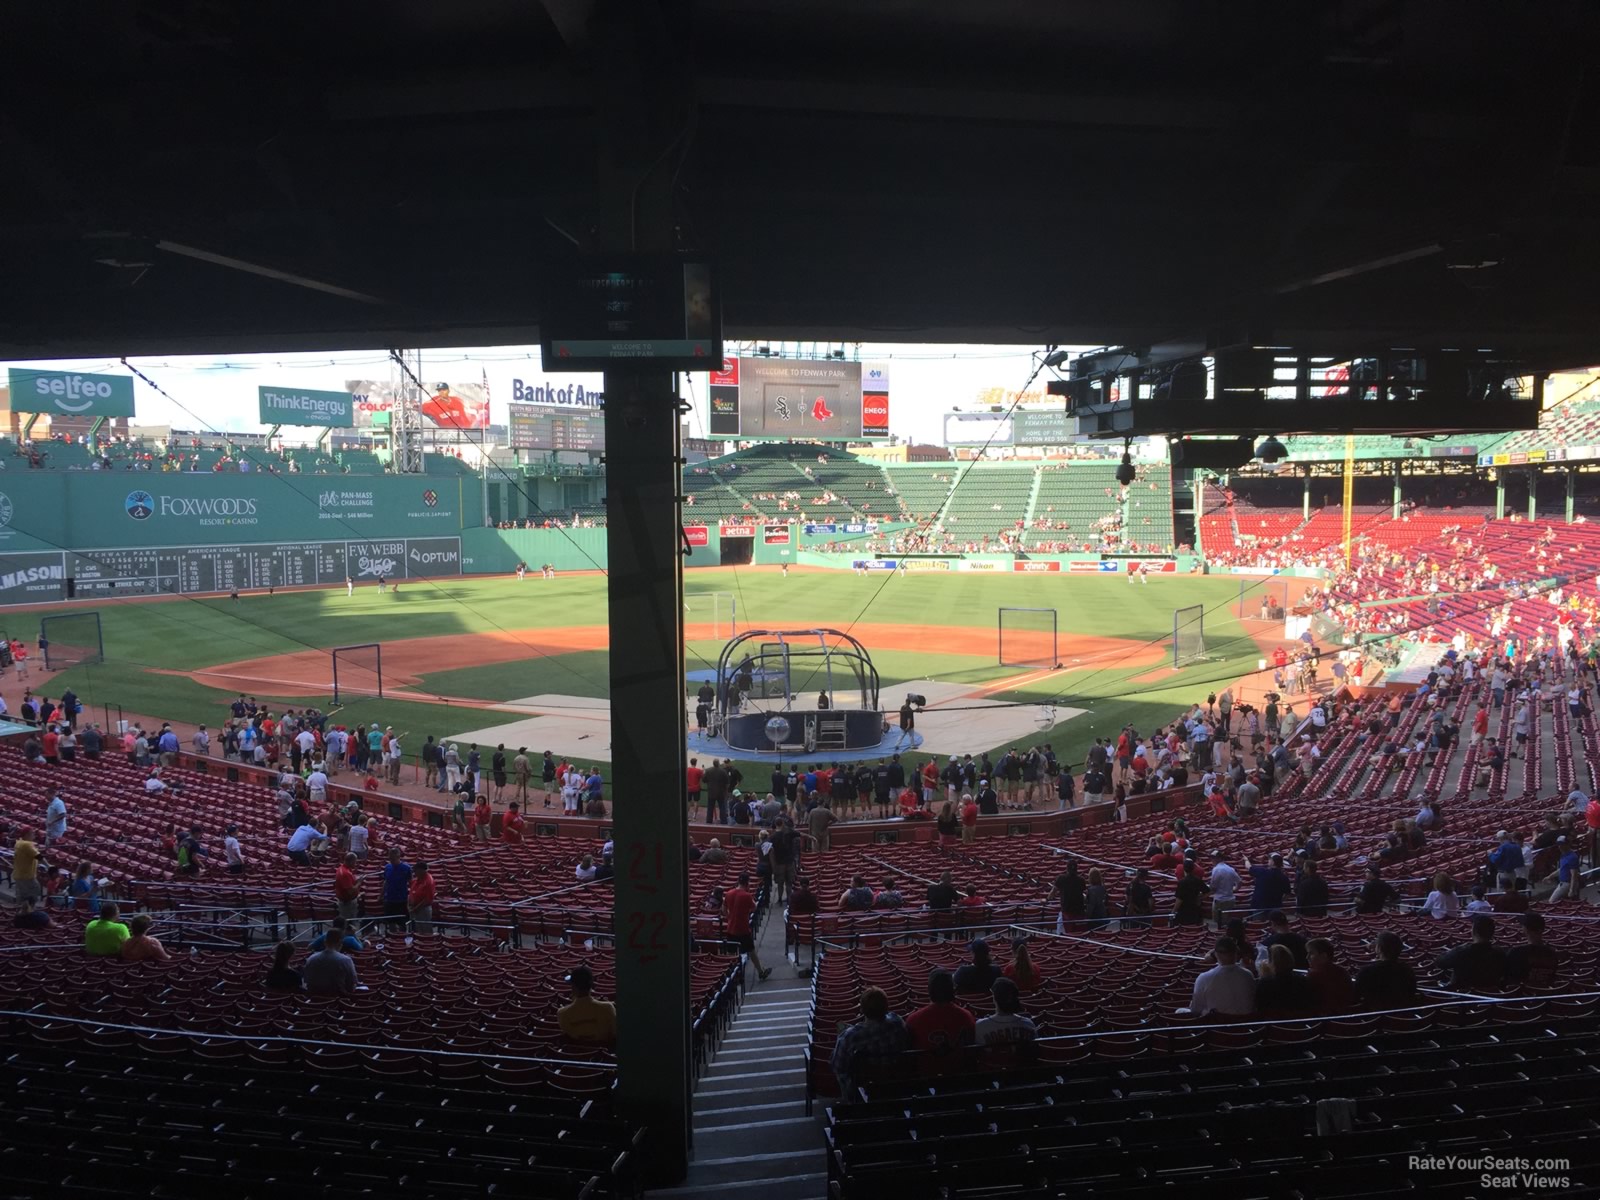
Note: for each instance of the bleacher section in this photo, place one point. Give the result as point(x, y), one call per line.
point(989, 499)
point(922, 488)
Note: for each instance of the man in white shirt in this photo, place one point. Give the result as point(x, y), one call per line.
point(395, 755)
point(153, 784)
point(1007, 1025)
point(1224, 885)
point(1319, 718)
point(202, 742)
point(317, 784)
point(234, 851)
point(1228, 989)
point(307, 742)
point(359, 837)
point(301, 842)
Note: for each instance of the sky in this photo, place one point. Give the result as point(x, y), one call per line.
point(219, 392)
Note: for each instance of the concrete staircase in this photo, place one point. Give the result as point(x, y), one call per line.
point(751, 1134)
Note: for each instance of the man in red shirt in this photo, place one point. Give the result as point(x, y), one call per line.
point(738, 905)
point(691, 784)
point(941, 1026)
point(511, 825)
point(51, 746)
point(482, 816)
point(419, 900)
point(969, 820)
point(346, 888)
point(1480, 725)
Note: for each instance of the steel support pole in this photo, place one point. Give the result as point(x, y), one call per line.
point(648, 739)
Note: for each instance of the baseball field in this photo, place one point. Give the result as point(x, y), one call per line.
point(525, 662)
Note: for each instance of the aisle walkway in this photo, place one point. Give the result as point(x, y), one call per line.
point(751, 1134)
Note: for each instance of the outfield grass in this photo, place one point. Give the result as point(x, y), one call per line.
point(184, 635)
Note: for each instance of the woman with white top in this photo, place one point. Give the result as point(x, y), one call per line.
point(1442, 902)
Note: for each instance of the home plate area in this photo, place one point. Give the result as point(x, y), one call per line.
point(957, 720)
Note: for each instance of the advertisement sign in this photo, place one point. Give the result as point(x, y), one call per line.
point(70, 393)
point(1080, 567)
point(447, 405)
point(1254, 570)
point(1046, 428)
point(776, 535)
point(426, 557)
point(840, 527)
point(1033, 566)
point(875, 564)
point(980, 564)
point(927, 564)
point(26, 578)
point(697, 535)
point(736, 531)
point(573, 395)
point(728, 376)
point(306, 406)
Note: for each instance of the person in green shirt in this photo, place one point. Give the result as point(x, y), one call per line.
point(105, 934)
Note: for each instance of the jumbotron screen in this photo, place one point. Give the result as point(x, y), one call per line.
point(779, 398)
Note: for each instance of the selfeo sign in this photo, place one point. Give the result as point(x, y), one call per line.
point(70, 393)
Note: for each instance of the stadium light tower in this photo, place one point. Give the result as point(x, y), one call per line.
point(405, 420)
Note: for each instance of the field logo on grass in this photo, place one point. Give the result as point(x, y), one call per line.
point(140, 505)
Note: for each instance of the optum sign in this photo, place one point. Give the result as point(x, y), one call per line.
point(70, 393)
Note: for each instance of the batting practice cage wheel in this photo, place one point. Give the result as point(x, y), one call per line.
point(71, 640)
point(1028, 638)
point(797, 691)
point(1188, 634)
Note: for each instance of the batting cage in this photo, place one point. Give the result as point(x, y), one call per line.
point(71, 640)
point(357, 671)
point(1188, 634)
point(1028, 637)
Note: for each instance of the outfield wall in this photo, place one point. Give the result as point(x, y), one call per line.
point(103, 533)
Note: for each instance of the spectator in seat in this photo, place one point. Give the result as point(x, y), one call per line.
point(1534, 963)
point(585, 1019)
point(1388, 982)
point(1375, 895)
point(1006, 1026)
point(1479, 963)
point(942, 895)
point(879, 1034)
point(1505, 859)
point(338, 932)
point(1021, 971)
point(979, 974)
point(396, 886)
point(104, 936)
point(803, 901)
point(30, 915)
point(889, 896)
point(1311, 890)
point(281, 977)
point(140, 946)
point(857, 897)
point(941, 1026)
point(1514, 901)
point(1227, 989)
point(420, 897)
point(714, 853)
point(330, 972)
point(1442, 902)
point(1330, 983)
point(1282, 991)
point(584, 872)
point(1282, 935)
